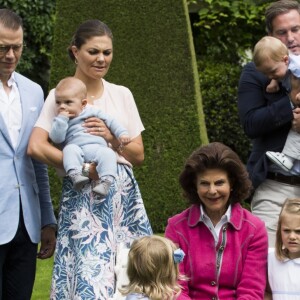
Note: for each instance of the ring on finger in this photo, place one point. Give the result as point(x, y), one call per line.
point(99, 129)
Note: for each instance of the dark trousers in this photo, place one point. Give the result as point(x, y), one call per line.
point(17, 265)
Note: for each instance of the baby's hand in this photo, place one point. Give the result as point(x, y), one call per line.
point(66, 114)
point(273, 86)
point(124, 139)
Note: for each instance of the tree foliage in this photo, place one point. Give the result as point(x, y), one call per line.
point(224, 30)
point(38, 18)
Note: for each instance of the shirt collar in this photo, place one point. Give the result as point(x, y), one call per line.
point(225, 217)
point(12, 80)
point(295, 260)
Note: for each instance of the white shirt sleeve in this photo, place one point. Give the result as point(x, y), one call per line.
point(48, 113)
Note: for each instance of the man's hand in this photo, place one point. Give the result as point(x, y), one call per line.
point(48, 241)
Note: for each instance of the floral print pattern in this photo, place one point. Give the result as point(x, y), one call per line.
point(90, 230)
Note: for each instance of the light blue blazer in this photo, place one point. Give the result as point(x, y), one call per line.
point(21, 176)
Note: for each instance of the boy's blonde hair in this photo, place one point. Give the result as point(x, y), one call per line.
point(269, 48)
point(289, 207)
point(151, 268)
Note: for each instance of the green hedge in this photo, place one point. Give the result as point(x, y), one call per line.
point(38, 18)
point(219, 93)
point(219, 84)
point(154, 57)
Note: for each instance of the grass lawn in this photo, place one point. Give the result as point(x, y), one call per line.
point(41, 289)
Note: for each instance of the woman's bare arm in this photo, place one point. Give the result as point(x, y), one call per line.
point(42, 150)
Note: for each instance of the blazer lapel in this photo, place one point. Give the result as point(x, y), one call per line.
point(23, 98)
point(29, 111)
point(4, 132)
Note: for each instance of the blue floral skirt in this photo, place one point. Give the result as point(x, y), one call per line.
point(90, 230)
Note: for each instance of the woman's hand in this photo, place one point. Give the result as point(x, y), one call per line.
point(93, 172)
point(98, 127)
point(133, 151)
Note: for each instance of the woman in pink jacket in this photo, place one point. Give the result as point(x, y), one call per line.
point(226, 246)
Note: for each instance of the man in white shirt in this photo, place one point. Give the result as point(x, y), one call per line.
point(26, 212)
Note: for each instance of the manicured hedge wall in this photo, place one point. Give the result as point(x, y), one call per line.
point(219, 84)
point(154, 57)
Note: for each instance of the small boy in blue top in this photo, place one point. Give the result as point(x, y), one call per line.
point(78, 145)
point(272, 58)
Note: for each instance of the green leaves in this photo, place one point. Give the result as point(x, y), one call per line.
point(38, 18)
point(224, 30)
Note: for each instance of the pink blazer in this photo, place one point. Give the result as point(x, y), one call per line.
point(235, 269)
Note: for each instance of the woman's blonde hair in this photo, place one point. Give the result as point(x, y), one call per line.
point(269, 48)
point(151, 269)
point(289, 207)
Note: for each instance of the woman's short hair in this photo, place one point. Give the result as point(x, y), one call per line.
point(86, 31)
point(290, 207)
point(215, 156)
point(151, 268)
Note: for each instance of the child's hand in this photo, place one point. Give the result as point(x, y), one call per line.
point(273, 86)
point(295, 89)
point(297, 100)
point(66, 114)
point(124, 139)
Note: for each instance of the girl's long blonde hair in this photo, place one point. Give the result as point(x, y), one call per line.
point(289, 207)
point(151, 269)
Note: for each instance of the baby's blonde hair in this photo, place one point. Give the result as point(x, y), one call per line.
point(289, 207)
point(151, 268)
point(269, 48)
point(73, 84)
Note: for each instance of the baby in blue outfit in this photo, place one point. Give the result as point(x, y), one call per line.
point(78, 145)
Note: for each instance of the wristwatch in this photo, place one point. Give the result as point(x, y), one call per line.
point(86, 169)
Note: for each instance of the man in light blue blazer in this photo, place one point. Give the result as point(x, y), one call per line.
point(26, 212)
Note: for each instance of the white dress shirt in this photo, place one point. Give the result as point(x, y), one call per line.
point(215, 230)
point(11, 109)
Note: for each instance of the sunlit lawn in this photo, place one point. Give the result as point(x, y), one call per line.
point(41, 289)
